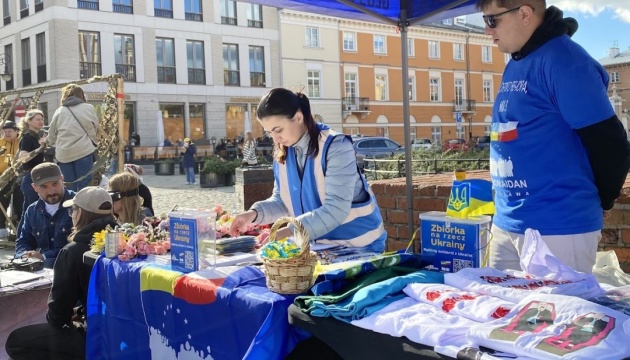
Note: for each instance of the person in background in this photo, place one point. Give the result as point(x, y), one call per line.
point(125, 193)
point(316, 179)
point(559, 155)
point(188, 152)
point(167, 142)
point(10, 194)
point(32, 146)
point(63, 336)
point(143, 190)
point(73, 132)
point(134, 139)
point(45, 225)
point(249, 150)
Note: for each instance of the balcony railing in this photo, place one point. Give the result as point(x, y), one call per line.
point(231, 77)
point(165, 13)
point(228, 20)
point(464, 105)
point(355, 104)
point(125, 9)
point(254, 23)
point(89, 5)
point(166, 75)
point(127, 71)
point(41, 73)
point(257, 79)
point(26, 77)
point(23, 13)
point(89, 69)
point(39, 6)
point(194, 16)
point(196, 76)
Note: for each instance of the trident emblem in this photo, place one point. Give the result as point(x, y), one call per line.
point(459, 198)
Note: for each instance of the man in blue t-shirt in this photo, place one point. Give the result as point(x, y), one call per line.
point(559, 155)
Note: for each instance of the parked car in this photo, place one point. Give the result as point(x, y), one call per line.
point(421, 144)
point(455, 144)
point(482, 142)
point(374, 147)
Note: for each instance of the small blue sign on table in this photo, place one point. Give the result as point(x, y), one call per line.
point(184, 251)
point(454, 243)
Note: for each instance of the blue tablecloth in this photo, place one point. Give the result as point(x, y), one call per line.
point(139, 310)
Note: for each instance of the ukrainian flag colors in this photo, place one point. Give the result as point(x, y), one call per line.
point(471, 197)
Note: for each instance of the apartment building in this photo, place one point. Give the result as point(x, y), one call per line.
point(617, 64)
point(195, 67)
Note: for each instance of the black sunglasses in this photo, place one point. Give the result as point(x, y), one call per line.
point(117, 195)
point(72, 209)
point(491, 20)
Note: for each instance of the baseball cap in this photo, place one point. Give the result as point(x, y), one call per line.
point(187, 140)
point(92, 199)
point(45, 172)
point(9, 125)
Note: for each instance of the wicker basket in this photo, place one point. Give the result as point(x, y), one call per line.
point(291, 275)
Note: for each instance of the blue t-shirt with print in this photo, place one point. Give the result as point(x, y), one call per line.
point(540, 170)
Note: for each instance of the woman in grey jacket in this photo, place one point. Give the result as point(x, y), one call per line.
point(73, 131)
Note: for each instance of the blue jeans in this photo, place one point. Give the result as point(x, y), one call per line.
point(190, 174)
point(75, 170)
point(30, 196)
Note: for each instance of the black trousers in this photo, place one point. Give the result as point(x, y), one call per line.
point(43, 341)
point(5, 200)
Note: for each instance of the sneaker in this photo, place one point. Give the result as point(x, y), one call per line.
point(4, 233)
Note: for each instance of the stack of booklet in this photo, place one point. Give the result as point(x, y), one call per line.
point(226, 246)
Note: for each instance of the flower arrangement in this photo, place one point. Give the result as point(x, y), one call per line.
point(224, 222)
point(149, 238)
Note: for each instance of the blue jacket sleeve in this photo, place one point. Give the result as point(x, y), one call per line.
point(25, 241)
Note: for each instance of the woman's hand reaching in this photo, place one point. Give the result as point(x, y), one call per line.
point(241, 221)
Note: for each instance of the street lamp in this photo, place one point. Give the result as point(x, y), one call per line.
point(213, 140)
point(5, 61)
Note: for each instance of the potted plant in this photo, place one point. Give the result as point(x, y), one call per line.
point(213, 172)
point(164, 167)
point(230, 176)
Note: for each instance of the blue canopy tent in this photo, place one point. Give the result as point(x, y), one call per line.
point(400, 13)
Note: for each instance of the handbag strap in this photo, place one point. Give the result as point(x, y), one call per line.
point(77, 119)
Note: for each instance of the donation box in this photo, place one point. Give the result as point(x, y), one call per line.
point(188, 229)
point(454, 243)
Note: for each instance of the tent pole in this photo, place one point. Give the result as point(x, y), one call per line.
point(403, 24)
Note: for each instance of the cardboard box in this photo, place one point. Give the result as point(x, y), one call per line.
point(188, 228)
point(455, 243)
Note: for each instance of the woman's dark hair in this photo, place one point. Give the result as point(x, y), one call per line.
point(286, 103)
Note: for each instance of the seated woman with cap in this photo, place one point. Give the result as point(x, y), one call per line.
point(125, 193)
point(63, 337)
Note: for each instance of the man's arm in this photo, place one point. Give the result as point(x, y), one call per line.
point(609, 154)
point(25, 240)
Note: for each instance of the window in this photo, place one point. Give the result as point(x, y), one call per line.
point(312, 37)
point(6, 10)
point(313, 81)
point(349, 41)
point(39, 5)
point(257, 66)
point(461, 132)
point(459, 91)
point(173, 120)
point(614, 77)
point(23, 9)
point(87, 4)
point(507, 57)
point(193, 10)
point(40, 54)
point(411, 47)
point(8, 65)
point(447, 21)
point(434, 49)
point(165, 58)
point(163, 8)
point(123, 6)
point(350, 81)
point(379, 44)
point(486, 54)
point(434, 89)
point(380, 90)
point(26, 62)
point(487, 91)
point(231, 73)
point(254, 16)
point(458, 51)
point(124, 56)
point(197, 121)
point(195, 60)
point(487, 130)
point(228, 12)
point(89, 54)
point(412, 88)
point(436, 134)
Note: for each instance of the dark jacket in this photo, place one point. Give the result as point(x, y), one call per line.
point(48, 233)
point(189, 156)
point(71, 275)
point(145, 194)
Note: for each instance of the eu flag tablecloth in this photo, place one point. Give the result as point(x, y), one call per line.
point(139, 310)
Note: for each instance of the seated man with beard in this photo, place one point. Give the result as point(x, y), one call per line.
point(45, 224)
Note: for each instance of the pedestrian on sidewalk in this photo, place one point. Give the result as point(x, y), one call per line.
point(188, 151)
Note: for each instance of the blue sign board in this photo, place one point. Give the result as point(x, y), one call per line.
point(184, 248)
point(458, 117)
